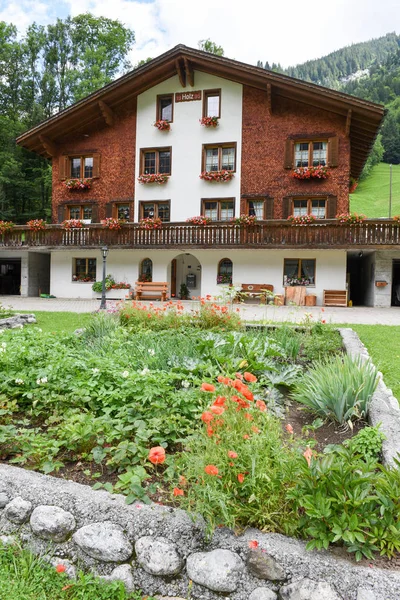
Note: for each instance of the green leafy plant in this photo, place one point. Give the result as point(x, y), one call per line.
point(338, 388)
point(367, 442)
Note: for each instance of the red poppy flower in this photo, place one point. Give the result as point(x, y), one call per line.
point(289, 428)
point(237, 384)
point(261, 405)
point(255, 429)
point(210, 431)
point(178, 492)
point(61, 568)
point(253, 544)
point(239, 376)
point(207, 417)
point(247, 393)
point(248, 416)
point(182, 480)
point(308, 455)
point(157, 455)
point(211, 470)
point(207, 387)
point(240, 477)
point(232, 454)
point(219, 401)
point(250, 377)
point(217, 410)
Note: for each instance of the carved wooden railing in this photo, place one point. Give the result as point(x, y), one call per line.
point(265, 234)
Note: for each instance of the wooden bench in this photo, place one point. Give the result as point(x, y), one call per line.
point(335, 298)
point(256, 290)
point(151, 290)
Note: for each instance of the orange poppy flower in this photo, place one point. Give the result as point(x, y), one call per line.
point(240, 477)
point(178, 492)
point(308, 455)
point(289, 428)
point(211, 470)
point(157, 455)
point(219, 401)
point(261, 405)
point(217, 410)
point(206, 417)
point(232, 454)
point(250, 377)
point(253, 544)
point(208, 387)
point(61, 568)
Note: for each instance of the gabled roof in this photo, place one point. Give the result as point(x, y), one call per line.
point(363, 118)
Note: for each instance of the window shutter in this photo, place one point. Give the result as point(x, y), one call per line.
point(289, 154)
point(109, 210)
point(286, 207)
point(331, 208)
point(333, 152)
point(61, 214)
point(96, 165)
point(95, 213)
point(63, 167)
point(269, 209)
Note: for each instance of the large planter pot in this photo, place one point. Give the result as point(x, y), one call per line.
point(112, 294)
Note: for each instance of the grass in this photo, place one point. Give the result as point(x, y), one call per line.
point(372, 195)
point(57, 322)
point(27, 577)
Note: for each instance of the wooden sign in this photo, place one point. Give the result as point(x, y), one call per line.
point(187, 96)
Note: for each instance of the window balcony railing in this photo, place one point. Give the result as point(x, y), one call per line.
point(264, 234)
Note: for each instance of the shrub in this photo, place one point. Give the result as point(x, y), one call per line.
point(338, 388)
point(367, 442)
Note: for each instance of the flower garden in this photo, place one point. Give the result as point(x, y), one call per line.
point(196, 411)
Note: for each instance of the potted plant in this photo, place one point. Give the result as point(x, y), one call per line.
point(350, 218)
point(162, 125)
point(225, 278)
point(301, 219)
point(153, 178)
point(6, 226)
point(114, 290)
point(184, 293)
point(150, 223)
point(72, 224)
point(37, 224)
point(291, 281)
point(111, 223)
point(209, 122)
point(217, 175)
point(319, 172)
point(200, 220)
point(78, 184)
point(245, 220)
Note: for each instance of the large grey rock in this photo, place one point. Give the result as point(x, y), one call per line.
point(4, 499)
point(104, 541)
point(366, 594)
point(219, 570)
point(52, 523)
point(158, 556)
point(264, 566)
point(122, 573)
point(307, 589)
point(262, 593)
point(18, 510)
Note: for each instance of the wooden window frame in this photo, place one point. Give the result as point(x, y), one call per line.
point(220, 147)
point(74, 270)
point(115, 207)
point(263, 200)
point(141, 274)
point(309, 200)
point(220, 274)
point(158, 107)
point(210, 93)
point(142, 203)
point(81, 210)
point(65, 165)
point(143, 151)
point(299, 270)
point(218, 201)
point(310, 143)
point(332, 154)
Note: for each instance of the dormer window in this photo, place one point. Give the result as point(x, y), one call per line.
point(212, 103)
point(165, 108)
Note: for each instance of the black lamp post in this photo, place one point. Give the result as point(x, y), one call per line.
point(104, 252)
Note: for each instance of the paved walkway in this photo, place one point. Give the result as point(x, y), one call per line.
point(250, 312)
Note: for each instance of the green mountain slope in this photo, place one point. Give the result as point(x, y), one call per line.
point(372, 195)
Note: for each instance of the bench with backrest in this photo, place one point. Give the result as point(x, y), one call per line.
point(151, 290)
point(256, 290)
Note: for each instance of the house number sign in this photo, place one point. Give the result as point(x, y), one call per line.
point(187, 96)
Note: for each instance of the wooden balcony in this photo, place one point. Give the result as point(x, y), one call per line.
point(383, 233)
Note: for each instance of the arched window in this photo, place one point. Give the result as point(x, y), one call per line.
point(225, 268)
point(146, 270)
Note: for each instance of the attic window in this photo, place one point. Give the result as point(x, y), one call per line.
point(165, 108)
point(212, 103)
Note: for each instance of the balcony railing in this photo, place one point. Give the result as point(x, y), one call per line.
point(265, 234)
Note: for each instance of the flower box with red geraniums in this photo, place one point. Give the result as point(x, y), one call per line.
point(311, 173)
point(150, 223)
point(350, 218)
point(301, 219)
point(226, 279)
point(111, 223)
point(78, 184)
point(163, 125)
point(153, 178)
point(6, 226)
point(37, 224)
point(209, 122)
point(217, 175)
point(245, 220)
point(396, 219)
point(72, 224)
point(200, 220)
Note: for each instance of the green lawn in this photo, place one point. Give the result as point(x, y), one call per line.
point(372, 195)
point(56, 322)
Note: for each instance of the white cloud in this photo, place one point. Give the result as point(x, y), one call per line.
point(25, 12)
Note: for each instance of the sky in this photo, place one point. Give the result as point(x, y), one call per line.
point(283, 31)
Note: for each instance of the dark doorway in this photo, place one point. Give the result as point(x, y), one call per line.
point(356, 278)
point(10, 276)
point(396, 283)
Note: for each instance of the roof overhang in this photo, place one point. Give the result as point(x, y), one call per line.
point(363, 118)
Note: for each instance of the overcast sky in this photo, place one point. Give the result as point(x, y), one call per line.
point(285, 31)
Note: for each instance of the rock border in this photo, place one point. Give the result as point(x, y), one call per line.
point(17, 321)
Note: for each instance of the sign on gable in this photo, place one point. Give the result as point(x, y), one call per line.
point(187, 96)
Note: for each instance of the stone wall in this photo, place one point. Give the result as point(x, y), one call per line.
point(16, 321)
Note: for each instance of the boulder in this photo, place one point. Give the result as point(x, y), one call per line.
point(219, 570)
point(18, 510)
point(104, 541)
point(158, 556)
point(308, 589)
point(264, 566)
point(52, 523)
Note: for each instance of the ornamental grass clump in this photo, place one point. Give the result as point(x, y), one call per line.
point(339, 388)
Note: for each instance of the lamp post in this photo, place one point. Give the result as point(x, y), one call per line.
point(104, 252)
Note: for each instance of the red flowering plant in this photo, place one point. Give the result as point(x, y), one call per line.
point(162, 125)
point(78, 184)
point(150, 223)
point(6, 226)
point(72, 224)
point(209, 121)
point(396, 219)
point(245, 220)
point(37, 224)
point(350, 218)
point(111, 223)
point(153, 178)
point(200, 220)
point(301, 219)
point(226, 462)
point(217, 175)
point(318, 172)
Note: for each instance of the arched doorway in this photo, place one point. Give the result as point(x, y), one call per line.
point(185, 277)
